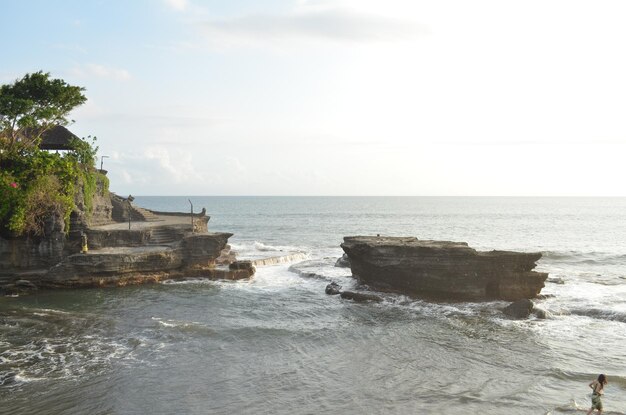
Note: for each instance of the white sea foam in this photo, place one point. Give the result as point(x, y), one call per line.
point(260, 247)
point(175, 323)
point(191, 281)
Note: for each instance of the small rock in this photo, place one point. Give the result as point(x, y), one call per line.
point(519, 309)
point(343, 262)
point(540, 313)
point(556, 280)
point(333, 288)
point(241, 265)
point(357, 296)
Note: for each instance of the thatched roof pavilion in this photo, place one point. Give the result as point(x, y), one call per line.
point(57, 138)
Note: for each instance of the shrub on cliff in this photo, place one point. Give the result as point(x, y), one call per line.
point(36, 185)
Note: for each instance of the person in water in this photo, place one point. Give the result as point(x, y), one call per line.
point(596, 396)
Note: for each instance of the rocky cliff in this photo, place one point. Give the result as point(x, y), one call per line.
point(442, 269)
point(33, 254)
point(158, 246)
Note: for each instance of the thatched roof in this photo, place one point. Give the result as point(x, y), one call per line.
point(57, 138)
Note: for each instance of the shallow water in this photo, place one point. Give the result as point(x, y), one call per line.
point(278, 345)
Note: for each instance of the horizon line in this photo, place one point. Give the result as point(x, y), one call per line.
point(433, 196)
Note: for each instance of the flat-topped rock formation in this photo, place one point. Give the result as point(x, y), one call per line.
point(193, 256)
point(153, 246)
point(442, 269)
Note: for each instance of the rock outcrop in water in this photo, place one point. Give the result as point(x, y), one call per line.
point(153, 246)
point(358, 296)
point(442, 269)
point(523, 309)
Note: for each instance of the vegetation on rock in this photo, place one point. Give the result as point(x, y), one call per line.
point(36, 185)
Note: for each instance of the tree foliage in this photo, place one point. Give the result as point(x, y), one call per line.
point(37, 185)
point(32, 105)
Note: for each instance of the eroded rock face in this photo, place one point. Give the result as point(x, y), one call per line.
point(194, 257)
point(442, 269)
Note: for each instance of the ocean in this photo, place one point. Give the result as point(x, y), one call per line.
point(277, 344)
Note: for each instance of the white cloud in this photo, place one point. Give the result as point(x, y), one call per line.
point(145, 170)
point(339, 25)
point(100, 71)
point(178, 5)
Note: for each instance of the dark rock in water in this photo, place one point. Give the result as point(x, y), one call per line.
point(25, 284)
point(240, 270)
point(556, 280)
point(333, 288)
point(343, 262)
point(358, 296)
point(442, 269)
point(519, 309)
point(241, 265)
point(540, 313)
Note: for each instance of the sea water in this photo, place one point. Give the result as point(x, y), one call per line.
point(278, 345)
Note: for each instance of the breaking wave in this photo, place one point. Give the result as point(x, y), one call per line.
point(600, 314)
point(262, 247)
point(36, 346)
point(585, 258)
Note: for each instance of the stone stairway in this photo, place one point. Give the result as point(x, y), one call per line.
point(137, 214)
point(145, 214)
point(162, 236)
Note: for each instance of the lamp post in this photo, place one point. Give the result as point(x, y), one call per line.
point(102, 161)
point(130, 208)
point(191, 214)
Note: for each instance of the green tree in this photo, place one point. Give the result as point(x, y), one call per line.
point(33, 104)
point(37, 185)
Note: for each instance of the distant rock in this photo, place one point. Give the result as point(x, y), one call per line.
point(333, 288)
point(519, 309)
point(540, 313)
point(360, 296)
point(523, 309)
point(442, 269)
point(343, 262)
point(556, 280)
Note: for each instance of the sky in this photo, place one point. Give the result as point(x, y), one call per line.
point(345, 97)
